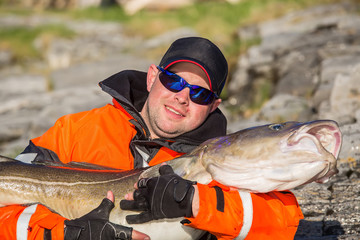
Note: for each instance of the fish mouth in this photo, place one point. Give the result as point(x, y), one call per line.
point(321, 137)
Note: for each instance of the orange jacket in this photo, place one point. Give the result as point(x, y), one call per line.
point(91, 137)
point(273, 215)
point(115, 136)
point(30, 221)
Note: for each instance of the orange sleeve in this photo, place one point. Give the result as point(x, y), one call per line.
point(224, 224)
point(275, 215)
point(60, 138)
point(39, 220)
point(100, 136)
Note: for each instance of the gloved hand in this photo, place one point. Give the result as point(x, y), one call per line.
point(95, 225)
point(166, 196)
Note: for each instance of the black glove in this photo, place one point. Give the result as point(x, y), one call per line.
point(166, 196)
point(95, 225)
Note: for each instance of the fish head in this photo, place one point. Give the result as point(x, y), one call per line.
point(277, 156)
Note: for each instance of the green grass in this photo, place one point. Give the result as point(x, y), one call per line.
point(217, 20)
point(113, 14)
point(20, 40)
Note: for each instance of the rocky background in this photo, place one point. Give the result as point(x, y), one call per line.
point(307, 64)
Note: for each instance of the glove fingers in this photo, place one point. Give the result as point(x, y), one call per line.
point(120, 232)
point(181, 189)
point(166, 170)
point(127, 205)
point(134, 205)
point(101, 212)
point(139, 218)
point(138, 195)
point(142, 182)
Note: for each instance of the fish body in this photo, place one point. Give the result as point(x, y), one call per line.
point(259, 159)
point(74, 192)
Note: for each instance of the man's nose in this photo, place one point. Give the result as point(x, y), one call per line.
point(183, 96)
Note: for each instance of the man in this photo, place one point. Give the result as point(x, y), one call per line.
point(155, 117)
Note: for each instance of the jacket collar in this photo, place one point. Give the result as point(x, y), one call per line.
point(129, 89)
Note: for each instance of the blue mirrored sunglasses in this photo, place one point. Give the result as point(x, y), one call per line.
point(175, 83)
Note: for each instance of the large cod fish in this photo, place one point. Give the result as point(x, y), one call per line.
point(259, 159)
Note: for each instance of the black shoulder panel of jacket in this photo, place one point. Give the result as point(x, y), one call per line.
point(128, 86)
point(129, 89)
point(44, 156)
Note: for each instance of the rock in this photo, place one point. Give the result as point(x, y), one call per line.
point(330, 209)
point(280, 33)
point(133, 6)
point(345, 92)
point(296, 56)
point(285, 107)
point(6, 57)
point(331, 67)
point(20, 85)
point(349, 157)
point(61, 4)
point(94, 41)
point(168, 37)
point(252, 81)
point(91, 73)
point(297, 72)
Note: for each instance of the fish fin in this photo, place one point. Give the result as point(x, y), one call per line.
point(151, 172)
point(77, 165)
point(85, 165)
point(178, 165)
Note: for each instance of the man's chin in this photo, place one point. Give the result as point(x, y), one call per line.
point(168, 133)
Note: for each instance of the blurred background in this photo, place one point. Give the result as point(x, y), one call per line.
point(288, 60)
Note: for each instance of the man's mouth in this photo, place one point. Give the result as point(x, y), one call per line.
point(174, 111)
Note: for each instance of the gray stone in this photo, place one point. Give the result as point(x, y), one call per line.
point(282, 32)
point(349, 157)
point(21, 84)
point(6, 56)
point(92, 73)
point(345, 92)
point(168, 37)
point(331, 67)
point(284, 107)
point(297, 73)
point(133, 6)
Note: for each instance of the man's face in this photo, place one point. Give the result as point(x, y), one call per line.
point(170, 114)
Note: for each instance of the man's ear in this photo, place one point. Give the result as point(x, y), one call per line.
point(151, 76)
point(215, 104)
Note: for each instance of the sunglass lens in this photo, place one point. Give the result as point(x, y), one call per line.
point(201, 96)
point(170, 82)
point(198, 94)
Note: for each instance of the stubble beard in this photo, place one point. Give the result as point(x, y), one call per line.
point(155, 125)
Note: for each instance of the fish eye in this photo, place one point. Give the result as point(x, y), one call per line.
point(276, 127)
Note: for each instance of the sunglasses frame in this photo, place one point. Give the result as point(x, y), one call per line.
point(184, 84)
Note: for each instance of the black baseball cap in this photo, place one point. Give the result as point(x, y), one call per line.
point(202, 52)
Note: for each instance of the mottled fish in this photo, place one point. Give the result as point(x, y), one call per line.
point(258, 159)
